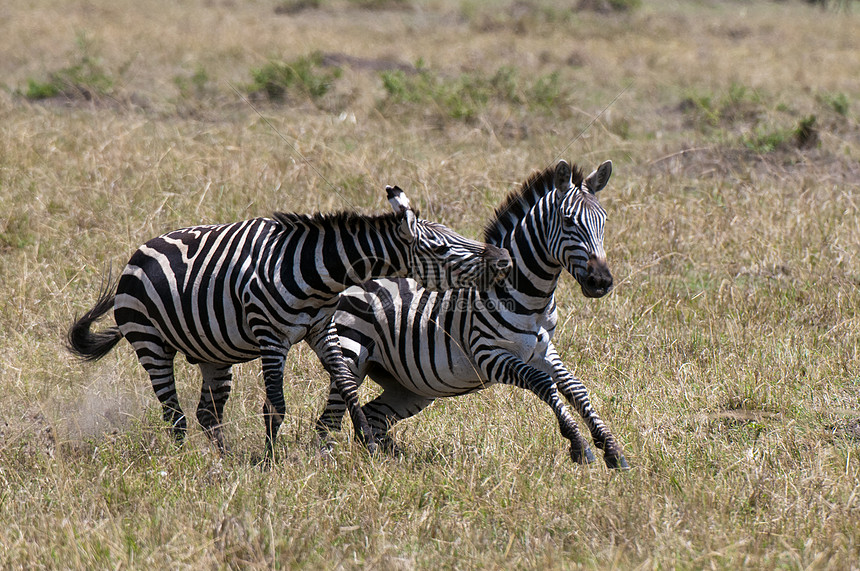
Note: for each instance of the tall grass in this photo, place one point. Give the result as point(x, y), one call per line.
point(725, 361)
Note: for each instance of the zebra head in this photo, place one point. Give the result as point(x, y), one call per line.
point(441, 259)
point(578, 232)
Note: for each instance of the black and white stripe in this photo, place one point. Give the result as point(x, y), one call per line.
point(420, 345)
point(229, 293)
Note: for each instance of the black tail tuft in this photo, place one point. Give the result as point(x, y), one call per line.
point(88, 345)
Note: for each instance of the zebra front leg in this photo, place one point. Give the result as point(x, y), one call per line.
point(325, 343)
point(575, 392)
point(217, 382)
point(511, 370)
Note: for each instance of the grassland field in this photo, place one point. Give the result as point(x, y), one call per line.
point(725, 360)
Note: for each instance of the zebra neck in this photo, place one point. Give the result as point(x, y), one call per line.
point(363, 249)
point(535, 274)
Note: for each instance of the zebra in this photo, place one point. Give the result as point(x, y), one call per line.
point(229, 293)
point(420, 345)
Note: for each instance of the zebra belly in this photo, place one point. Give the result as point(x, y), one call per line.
point(412, 334)
point(457, 377)
point(429, 363)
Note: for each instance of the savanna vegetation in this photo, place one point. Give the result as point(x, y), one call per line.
point(726, 360)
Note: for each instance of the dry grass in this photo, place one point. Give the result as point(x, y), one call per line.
point(726, 360)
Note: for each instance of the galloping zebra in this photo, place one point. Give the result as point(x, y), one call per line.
point(420, 346)
point(225, 294)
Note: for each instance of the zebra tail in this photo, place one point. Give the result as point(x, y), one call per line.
point(93, 345)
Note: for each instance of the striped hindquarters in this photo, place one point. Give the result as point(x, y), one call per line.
point(189, 288)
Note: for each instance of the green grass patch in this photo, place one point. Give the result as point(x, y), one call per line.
point(767, 139)
point(465, 96)
point(85, 78)
point(16, 231)
point(737, 104)
point(195, 85)
point(305, 77)
point(837, 102)
point(747, 116)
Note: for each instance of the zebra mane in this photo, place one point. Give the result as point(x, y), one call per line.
point(344, 218)
point(519, 202)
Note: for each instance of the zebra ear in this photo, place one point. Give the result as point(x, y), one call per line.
point(399, 201)
point(562, 176)
point(598, 179)
point(408, 226)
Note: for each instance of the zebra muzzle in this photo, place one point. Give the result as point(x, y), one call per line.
point(597, 280)
point(498, 261)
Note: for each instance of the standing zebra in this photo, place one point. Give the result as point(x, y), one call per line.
point(420, 345)
point(225, 294)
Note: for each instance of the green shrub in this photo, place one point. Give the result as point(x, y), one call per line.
point(766, 139)
point(305, 76)
point(86, 78)
point(806, 134)
point(763, 140)
point(838, 102)
point(41, 89)
point(459, 98)
point(737, 104)
point(194, 85)
point(546, 91)
point(464, 96)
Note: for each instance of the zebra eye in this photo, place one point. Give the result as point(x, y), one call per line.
point(569, 221)
point(441, 249)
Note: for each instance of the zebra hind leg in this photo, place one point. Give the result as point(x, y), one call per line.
point(394, 404)
point(274, 408)
point(217, 382)
point(158, 362)
point(330, 420)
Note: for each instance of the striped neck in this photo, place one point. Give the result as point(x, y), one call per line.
point(336, 251)
point(535, 274)
point(523, 225)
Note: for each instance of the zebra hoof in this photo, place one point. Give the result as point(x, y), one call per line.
point(616, 462)
point(583, 456)
point(388, 446)
point(263, 463)
point(178, 435)
point(368, 441)
point(325, 448)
